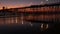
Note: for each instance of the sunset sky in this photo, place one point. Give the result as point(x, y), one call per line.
point(22, 3)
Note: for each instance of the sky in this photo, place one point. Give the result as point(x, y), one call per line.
point(23, 3)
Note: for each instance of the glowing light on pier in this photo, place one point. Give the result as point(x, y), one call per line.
point(12, 20)
point(22, 19)
point(16, 20)
point(9, 21)
point(22, 22)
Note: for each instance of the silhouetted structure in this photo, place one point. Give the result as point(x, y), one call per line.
point(38, 8)
point(45, 12)
point(3, 7)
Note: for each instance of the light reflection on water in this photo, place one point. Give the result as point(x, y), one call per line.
point(44, 26)
point(21, 21)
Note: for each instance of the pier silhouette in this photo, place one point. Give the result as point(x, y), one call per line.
point(41, 14)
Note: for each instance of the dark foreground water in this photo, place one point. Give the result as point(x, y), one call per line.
point(29, 28)
point(20, 25)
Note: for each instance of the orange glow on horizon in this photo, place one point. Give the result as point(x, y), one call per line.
point(11, 6)
point(14, 5)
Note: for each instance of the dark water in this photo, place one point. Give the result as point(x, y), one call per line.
point(19, 24)
point(27, 27)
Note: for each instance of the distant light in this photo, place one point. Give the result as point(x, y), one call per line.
point(22, 22)
point(30, 3)
point(47, 0)
point(41, 2)
point(30, 23)
point(46, 26)
point(42, 26)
